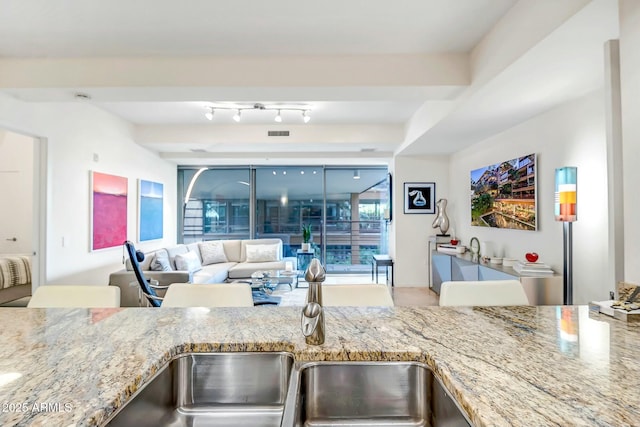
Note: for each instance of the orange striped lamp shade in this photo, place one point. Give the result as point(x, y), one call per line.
point(566, 194)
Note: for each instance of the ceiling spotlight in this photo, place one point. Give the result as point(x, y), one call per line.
point(356, 174)
point(314, 172)
point(284, 172)
point(274, 172)
point(303, 109)
point(301, 172)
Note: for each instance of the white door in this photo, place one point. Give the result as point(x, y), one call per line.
point(17, 194)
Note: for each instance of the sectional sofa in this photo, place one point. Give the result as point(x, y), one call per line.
point(15, 277)
point(216, 261)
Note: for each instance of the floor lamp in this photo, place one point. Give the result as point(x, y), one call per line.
point(566, 211)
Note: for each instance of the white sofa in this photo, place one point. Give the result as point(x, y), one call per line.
point(238, 265)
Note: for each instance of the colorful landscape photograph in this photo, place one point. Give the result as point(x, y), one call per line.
point(109, 214)
point(503, 195)
point(150, 210)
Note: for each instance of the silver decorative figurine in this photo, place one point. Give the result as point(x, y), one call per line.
point(442, 220)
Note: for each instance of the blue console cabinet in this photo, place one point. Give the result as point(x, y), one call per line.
point(546, 290)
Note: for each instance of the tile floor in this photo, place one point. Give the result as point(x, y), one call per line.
point(414, 297)
point(402, 296)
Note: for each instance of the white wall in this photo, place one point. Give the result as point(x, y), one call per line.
point(630, 87)
point(570, 135)
point(409, 233)
point(74, 132)
point(16, 189)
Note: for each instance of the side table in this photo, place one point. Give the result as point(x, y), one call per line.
point(378, 261)
point(304, 259)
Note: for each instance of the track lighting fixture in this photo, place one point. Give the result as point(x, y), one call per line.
point(278, 118)
point(356, 174)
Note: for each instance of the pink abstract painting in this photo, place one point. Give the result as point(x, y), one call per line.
point(109, 215)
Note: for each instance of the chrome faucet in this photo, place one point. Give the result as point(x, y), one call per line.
point(313, 313)
point(474, 249)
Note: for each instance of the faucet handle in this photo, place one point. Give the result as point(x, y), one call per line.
point(310, 317)
point(315, 272)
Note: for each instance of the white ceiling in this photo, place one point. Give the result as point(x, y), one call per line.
point(338, 112)
point(566, 64)
point(551, 55)
point(73, 28)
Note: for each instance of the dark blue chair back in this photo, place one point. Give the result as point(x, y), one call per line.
point(136, 257)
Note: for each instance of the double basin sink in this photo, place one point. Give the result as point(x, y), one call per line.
point(270, 390)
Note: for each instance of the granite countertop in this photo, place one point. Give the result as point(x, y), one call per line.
point(507, 366)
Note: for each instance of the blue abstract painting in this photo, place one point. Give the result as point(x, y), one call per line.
point(150, 210)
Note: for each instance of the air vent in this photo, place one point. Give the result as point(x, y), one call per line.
point(198, 150)
point(278, 133)
point(367, 150)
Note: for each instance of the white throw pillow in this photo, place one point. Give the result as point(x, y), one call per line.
point(188, 262)
point(160, 262)
point(262, 253)
point(212, 252)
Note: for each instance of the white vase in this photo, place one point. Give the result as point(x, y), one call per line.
point(306, 247)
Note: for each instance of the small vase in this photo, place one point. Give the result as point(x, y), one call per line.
point(306, 247)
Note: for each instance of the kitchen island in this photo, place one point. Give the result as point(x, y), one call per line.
point(506, 366)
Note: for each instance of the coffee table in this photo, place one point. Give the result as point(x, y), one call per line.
point(266, 285)
point(272, 279)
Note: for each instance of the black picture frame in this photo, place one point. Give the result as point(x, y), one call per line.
point(420, 197)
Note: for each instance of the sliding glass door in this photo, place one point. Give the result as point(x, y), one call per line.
point(215, 204)
point(286, 199)
point(346, 208)
point(357, 201)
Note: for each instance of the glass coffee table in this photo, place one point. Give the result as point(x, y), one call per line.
point(270, 280)
point(267, 285)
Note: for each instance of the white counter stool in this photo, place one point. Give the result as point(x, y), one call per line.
point(483, 293)
point(208, 295)
point(75, 296)
point(356, 295)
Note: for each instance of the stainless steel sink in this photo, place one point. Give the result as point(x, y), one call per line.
point(324, 394)
point(212, 389)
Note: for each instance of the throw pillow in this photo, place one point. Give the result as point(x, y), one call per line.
point(262, 253)
point(160, 262)
point(212, 252)
point(188, 262)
